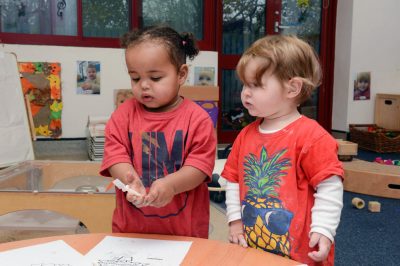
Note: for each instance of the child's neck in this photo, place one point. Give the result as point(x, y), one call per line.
point(167, 107)
point(273, 124)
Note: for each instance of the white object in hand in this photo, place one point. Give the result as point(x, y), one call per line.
point(125, 188)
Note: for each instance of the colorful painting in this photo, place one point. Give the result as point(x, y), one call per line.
point(41, 84)
point(211, 108)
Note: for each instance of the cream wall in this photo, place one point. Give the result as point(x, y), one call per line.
point(367, 39)
point(77, 107)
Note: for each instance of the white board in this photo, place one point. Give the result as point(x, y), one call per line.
point(15, 138)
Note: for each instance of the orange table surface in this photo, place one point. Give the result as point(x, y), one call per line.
point(202, 251)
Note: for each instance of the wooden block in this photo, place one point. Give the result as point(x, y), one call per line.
point(358, 203)
point(372, 178)
point(347, 147)
point(387, 111)
point(374, 206)
point(345, 158)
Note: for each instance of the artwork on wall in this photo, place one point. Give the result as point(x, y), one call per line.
point(88, 77)
point(204, 76)
point(203, 69)
point(211, 107)
point(362, 86)
point(121, 96)
point(41, 85)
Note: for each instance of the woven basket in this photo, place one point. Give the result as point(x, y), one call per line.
point(379, 140)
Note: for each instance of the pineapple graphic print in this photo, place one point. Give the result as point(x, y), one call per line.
point(266, 222)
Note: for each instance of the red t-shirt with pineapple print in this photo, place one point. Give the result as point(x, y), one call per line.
point(277, 175)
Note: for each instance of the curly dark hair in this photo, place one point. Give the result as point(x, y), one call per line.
point(179, 45)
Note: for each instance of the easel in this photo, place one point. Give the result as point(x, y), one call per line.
point(30, 118)
point(15, 138)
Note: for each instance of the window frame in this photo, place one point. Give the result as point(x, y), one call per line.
point(135, 6)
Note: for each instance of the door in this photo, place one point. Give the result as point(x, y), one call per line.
point(241, 22)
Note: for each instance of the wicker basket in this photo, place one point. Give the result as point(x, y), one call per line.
point(378, 140)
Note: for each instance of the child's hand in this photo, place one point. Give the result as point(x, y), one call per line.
point(324, 245)
point(136, 184)
point(236, 234)
point(160, 194)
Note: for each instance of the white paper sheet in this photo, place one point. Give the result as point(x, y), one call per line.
point(118, 251)
point(51, 253)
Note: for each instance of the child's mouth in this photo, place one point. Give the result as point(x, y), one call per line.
point(147, 98)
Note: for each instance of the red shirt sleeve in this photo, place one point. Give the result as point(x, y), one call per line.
point(203, 142)
point(319, 159)
point(117, 144)
point(231, 168)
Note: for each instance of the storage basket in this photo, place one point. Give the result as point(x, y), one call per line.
point(374, 138)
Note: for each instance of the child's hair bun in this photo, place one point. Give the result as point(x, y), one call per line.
point(189, 44)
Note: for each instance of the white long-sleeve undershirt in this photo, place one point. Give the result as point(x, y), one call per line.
point(325, 213)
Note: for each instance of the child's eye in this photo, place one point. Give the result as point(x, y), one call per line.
point(253, 85)
point(250, 86)
point(135, 79)
point(155, 78)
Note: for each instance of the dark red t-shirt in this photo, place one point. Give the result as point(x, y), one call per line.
point(158, 144)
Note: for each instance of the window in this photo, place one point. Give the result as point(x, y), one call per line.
point(182, 15)
point(100, 23)
point(38, 17)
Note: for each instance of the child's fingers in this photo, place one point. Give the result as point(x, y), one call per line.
point(160, 194)
point(238, 240)
point(313, 240)
point(233, 239)
point(242, 241)
point(324, 246)
point(138, 201)
point(135, 183)
point(317, 255)
point(150, 198)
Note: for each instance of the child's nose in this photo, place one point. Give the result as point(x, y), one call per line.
point(245, 91)
point(145, 85)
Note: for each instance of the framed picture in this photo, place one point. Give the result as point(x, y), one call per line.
point(88, 77)
point(204, 76)
point(121, 95)
point(362, 86)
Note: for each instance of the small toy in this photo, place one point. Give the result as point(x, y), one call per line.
point(388, 161)
point(374, 206)
point(358, 203)
point(125, 188)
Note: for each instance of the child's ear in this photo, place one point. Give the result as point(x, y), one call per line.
point(294, 87)
point(183, 73)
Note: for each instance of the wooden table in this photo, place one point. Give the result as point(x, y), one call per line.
point(202, 251)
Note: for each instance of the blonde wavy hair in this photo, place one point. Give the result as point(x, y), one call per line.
point(286, 57)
